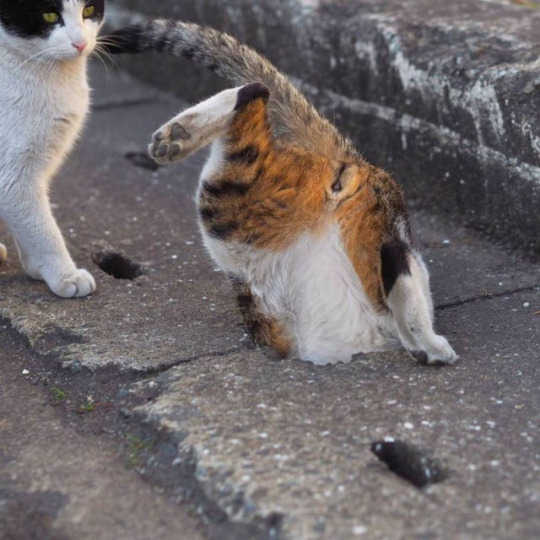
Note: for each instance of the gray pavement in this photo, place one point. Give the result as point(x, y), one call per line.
point(256, 448)
point(58, 483)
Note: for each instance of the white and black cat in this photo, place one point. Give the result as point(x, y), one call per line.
point(44, 100)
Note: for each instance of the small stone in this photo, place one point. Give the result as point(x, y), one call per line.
point(123, 392)
point(75, 366)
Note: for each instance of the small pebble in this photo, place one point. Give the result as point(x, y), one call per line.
point(75, 366)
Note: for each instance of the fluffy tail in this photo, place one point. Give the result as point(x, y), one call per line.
point(291, 115)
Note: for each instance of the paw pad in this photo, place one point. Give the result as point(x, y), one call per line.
point(178, 133)
point(167, 143)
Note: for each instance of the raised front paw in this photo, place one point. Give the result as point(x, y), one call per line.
point(79, 284)
point(437, 353)
point(3, 253)
point(169, 143)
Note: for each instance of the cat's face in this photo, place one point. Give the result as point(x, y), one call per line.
point(52, 29)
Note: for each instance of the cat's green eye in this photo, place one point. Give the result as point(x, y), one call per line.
point(51, 18)
point(88, 11)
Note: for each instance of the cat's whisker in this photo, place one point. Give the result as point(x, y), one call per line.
point(37, 55)
point(101, 45)
point(98, 54)
point(46, 63)
point(108, 40)
point(106, 58)
point(44, 58)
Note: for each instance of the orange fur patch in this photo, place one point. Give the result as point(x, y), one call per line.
point(270, 192)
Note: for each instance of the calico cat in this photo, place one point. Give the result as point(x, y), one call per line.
point(316, 239)
point(44, 100)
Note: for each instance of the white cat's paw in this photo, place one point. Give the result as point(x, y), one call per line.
point(79, 284)
point(169, 143)
point(438, 352)
point(3, 253)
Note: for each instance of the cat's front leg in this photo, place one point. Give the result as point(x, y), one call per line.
point(41, 247)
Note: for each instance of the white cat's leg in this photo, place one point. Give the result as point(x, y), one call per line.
point(42, 249)
point(3, 253)
point(410, 302)
point(200, 125)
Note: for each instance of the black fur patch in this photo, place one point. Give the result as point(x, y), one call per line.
point(189, 53)
point(223, 230)
point(245, 300)
point(227, 187)
point(24, 18)
point(247, 155)
point(394, 262)
point(208, 214)
point(250, 93)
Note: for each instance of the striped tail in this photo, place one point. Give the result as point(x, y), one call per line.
point(291, 115)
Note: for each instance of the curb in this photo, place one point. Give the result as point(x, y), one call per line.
point(444, 95)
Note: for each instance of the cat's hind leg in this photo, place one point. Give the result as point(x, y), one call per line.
point(265, 330)
point(194, 128)
point(199, 126)
point(406, 283)
point(3, 253)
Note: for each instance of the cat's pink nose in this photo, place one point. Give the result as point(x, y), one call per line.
point(80, 46)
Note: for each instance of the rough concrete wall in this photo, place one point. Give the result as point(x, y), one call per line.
point(444, 94)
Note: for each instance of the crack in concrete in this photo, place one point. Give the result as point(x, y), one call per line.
point(139, 439)
point(488, 296)
point(161, 369)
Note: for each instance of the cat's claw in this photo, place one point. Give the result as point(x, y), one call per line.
point(166, 146)
point(77, 285)
point(3, 253)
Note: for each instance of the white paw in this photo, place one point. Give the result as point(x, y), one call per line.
point(3, 253)
point(169, 143)
point(438, 352)
point(79, 284)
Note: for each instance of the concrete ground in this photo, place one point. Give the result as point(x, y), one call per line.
point(145, 412)
point(59, 482)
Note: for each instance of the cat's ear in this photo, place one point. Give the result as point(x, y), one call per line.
point(347, 179)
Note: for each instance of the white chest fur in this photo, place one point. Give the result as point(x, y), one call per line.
point(313, 287)
point(42, 110)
